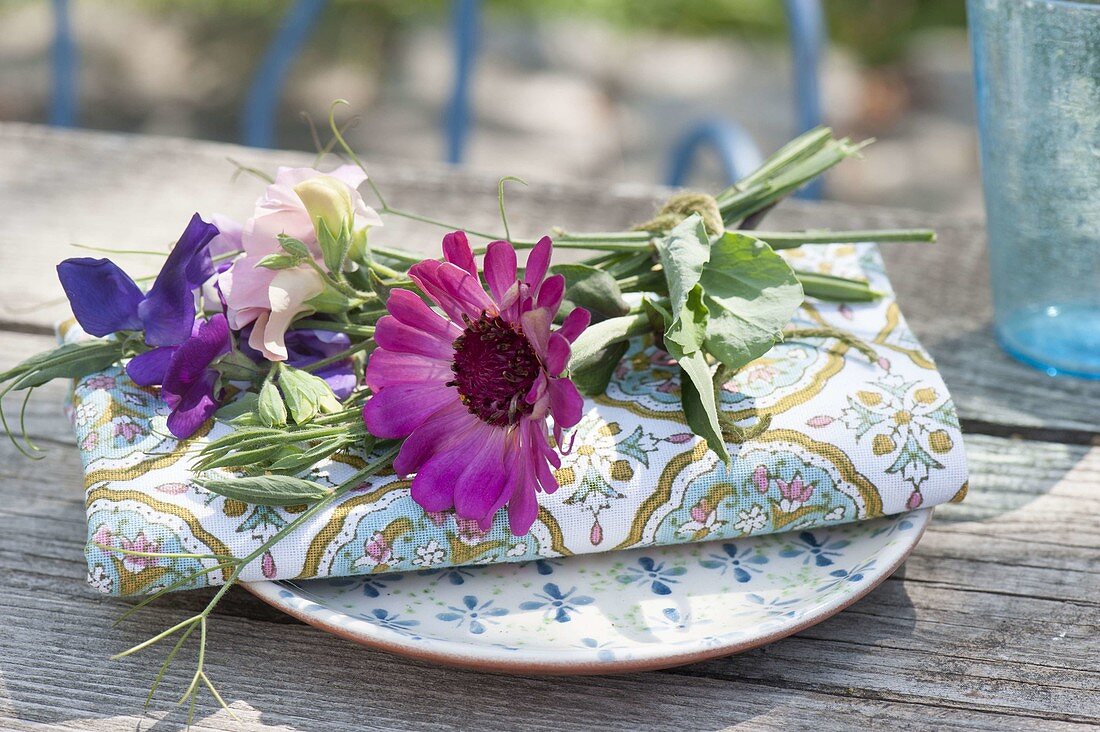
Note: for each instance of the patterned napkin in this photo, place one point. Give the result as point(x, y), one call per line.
point(848, 440)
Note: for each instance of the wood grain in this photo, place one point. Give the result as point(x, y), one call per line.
point(993, 623)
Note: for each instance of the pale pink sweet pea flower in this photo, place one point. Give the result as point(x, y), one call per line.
point(273, 299)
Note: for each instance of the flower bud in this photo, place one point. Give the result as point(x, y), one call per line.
point(329, 200)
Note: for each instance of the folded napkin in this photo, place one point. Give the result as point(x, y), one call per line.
point(848, 440)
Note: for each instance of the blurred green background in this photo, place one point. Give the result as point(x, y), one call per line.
point(563, 89)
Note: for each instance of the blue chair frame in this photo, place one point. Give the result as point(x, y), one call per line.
point(63, 63)
point(738, 154)
point(262, 99)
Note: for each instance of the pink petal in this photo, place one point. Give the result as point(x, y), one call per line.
point(546, 476)
point(550, 294)
point(439, 433)
point(500, 268)
point(426, 275)
point(386, 368)
point(398, 410)
point(434, 485)
point(821, 420)
point(537, 389)
point(414, 312)
point(393, 335)
point(523, 509)
point(566, 403)
point(464, 289)
point(245, 285)
point(536, 326)
point(557, 354)
point(574, 324)
point(289, 291)
point(456, 250)
point(538, 261)
point(483, 480)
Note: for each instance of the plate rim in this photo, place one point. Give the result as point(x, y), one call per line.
point(268, 591)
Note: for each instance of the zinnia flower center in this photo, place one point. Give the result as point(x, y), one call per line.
point(494, 367)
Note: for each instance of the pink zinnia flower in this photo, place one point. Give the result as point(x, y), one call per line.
point(471, 391)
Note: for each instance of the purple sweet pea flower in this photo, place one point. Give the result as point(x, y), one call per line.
point(185, 374)
point(306, 346)
point(105, 300)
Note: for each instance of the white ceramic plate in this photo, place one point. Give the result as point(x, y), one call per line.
point(611, 612)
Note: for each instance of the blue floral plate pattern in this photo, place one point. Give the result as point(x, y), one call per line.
point(631, 610)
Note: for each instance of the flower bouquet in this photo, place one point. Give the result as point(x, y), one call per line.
point(281, 369)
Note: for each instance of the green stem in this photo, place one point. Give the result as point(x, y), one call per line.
point(383, 271)
point(836, 289)
point(397, 254)
point(436, 222)
point(641, 283)
point(797, 149)
point(792, 239)
point(338, 357)
point(302, 518)
point(619, 241)
point(588, 347)
point(363, 331)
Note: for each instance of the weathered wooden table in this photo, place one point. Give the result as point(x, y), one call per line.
point(993, 623)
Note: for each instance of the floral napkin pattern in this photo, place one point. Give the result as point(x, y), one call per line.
point(848, 440)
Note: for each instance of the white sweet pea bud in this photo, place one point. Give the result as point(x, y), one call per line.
point(329, 200)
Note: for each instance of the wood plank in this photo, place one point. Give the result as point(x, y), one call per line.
point(59, 187)
point(982, 629)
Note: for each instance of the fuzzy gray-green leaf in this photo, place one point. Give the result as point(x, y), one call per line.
point(270, 406)
point(751, 293)
point(592, 289)
point(699, 402)
point(268, 490)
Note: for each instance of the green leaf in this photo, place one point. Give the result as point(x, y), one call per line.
point(236, 366)
point(683, 252)
point(279, 261)
point(751, 294)
point(306, 395)
point(246, 404)
point(294, 247)
point(267, 490)
point(334, 246)
point(659, 318)
point(592, 289)
point(70, 361)
point(270, 406)
point(687, 332)
point(593, 379)
point(589, 346)
point(295, 463)
point(699, 402)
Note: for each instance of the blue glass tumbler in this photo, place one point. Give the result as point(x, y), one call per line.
point(1037, 76)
